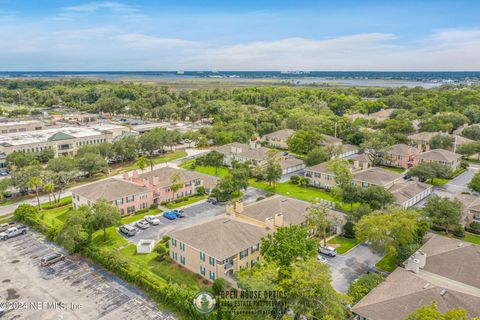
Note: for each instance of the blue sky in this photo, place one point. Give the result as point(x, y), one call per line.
point(239, 35)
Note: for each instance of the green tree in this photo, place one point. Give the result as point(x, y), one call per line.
point(105, 215)
point(141, 163)
point(19, 159)
point(430, 171)
point(474, 184)
point(310, 293)
point(126, 148)
point(442, 141)
point(431, 312)
point(273, 171)
point(341, 169)
point(304, 141)
point(25, 213)
point(376, 197)
point(386, 232)
point(288, 244)
point(91, 163)
point(264, 276)
point(175, 184)
point(472, 132)
point(35, 183)
point(316, 155)
point(214, 159)
point(4, 185)
point(76, 232)
point(49, 188)
point(363, 285)
point(319, 220)
point(443, 212)
point(153, 141)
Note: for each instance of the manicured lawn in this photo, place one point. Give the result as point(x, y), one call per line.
point(162, 269)
point(394, 169)
point(469, 237)
point(302, 193)
point(140, 216)
point(221, 171)
point(114, 239)
point(387, 263)
point(345, 244)
point(56, 216)
point(439, 181)
point(173, 205)
point(51, 205)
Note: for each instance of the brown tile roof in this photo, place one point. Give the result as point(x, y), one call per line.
point(450, 278)
point(109, 189)
point(439, 155)
point(221, 237)
point(321, 167)
point(376, 176)
point(281, 134)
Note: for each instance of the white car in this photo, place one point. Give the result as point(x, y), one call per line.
point(142, 224)
point(153, 220)
point(328, 251)
point(322, 259)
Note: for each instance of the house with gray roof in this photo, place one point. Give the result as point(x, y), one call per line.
point(444, 271)
point(278, 139)
point(441, 156)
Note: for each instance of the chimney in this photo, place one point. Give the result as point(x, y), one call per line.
point(125, 176)
point(413, 265)
point(135, 174)
point(421, 257)
point(230, 210)
point(269, 223)
point(278, 220)
point(155, 181)
point(238, 207)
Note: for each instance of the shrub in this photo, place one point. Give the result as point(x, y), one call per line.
point(260, 198)
point(348, 230)
point(153, 206)
point(294, 179)
point(218, 286)
point(141, 211)
point(435, 227)
point(474, 227)
point(363, 285)
point(269, 194)
point(464, 164)
point(459, 232)
point(165, 239)
point(201, 191)
point(25, 212)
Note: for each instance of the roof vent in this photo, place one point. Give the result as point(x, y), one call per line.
point(443, 292)
point(460, 244)
point(426, 285)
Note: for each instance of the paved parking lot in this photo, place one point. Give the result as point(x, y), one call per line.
point(84, 291)
point(345, 268)
point(194, 214)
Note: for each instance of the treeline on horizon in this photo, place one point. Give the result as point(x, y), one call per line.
point(239, 113)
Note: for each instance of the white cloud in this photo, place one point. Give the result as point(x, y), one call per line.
point(92, 7)
point(140, 41)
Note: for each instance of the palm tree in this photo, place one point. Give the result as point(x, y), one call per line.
point(35, 183)
point(176, 184)
point(141, 163)
point(49, 188)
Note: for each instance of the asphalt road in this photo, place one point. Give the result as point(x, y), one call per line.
point(459, 184)
point(345, 268)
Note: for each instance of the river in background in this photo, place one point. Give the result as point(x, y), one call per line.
point(333, 78)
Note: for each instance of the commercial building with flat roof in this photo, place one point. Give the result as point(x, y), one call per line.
point(21, 126)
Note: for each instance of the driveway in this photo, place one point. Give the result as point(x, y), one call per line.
point(345, 268)
point(459, 184)
point(194, 214)
point(69, 289)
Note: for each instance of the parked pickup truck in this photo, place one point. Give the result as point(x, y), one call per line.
point(13, 232)
point(5, 226)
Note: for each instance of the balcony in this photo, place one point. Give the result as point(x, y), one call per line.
point(228, 265)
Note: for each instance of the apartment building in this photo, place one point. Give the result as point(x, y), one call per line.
point(217, 248)
point(320, 176)
point(21, 126)
point(376, 176)
point(258, 156)
point(471, 207)
point(444, 271)
point(278, 139)
point(63, 141)
point(400, 156)
point(126, 196)
point(160, 182)
point(409, 193)
point(441, 156)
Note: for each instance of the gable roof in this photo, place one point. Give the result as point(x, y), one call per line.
point(109, 189)
point(243, 150)
point(321, 167)
point(376, 176)
point(60, 136)
point(439, 155)
point(221, 237)
point(450, 277)
point(407, 190)
point(283, 134)
point(403, 150)
point(293, 210)
point(165, 174)
point(290, 162)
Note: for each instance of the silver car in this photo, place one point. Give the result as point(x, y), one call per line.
point(328, 251)
point(142, 224)
point(51, 259)
point(152, 219)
